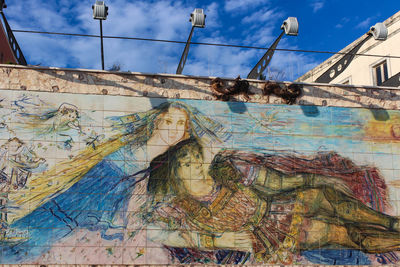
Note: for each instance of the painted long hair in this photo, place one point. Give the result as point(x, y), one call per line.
point(164, 179)
point(138, 128)
point(132, 130)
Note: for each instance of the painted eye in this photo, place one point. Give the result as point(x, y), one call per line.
point(187, 164)
point(168, 122)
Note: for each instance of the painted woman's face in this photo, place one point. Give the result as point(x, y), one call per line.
point(173, 126)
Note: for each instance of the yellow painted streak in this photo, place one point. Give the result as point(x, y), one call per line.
point(60, 178)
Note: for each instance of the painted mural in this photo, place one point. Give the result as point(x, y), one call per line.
point(123, 180)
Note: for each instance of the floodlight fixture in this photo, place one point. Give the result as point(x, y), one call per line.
point(198, 20)
point(100, 12)
point(378, 31)
point(289, 27)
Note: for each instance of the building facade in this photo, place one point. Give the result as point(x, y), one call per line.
point(6, 53)
point(363, 70)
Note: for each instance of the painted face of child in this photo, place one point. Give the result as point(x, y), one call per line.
point(71, 115)
point(13, 146)
point(173, 126)
point(191, 169)
point(396, 131)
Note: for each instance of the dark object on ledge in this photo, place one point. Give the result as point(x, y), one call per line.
point(220, 92)
point(288, 93)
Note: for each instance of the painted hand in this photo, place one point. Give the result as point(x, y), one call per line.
point(235, 240)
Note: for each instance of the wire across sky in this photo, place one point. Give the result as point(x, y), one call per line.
point(202, 43)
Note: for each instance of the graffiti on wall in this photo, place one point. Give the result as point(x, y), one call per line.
point(111, 179)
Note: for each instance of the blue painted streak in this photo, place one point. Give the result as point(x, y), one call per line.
point(337, 257)
point(91, 203)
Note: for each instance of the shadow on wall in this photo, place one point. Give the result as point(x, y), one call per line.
point(236, 107)
point(154, 81)
point(379, 94)
point(380, 114)
point(309, 110)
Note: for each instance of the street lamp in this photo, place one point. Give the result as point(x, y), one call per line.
point(289, 27)
point(100, 12)
point(198, 19)
point(378, 31)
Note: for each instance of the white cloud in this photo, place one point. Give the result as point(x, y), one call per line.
point(219, 61)
point(237, 5)
point(317, 5)
point(160, 20)
point(342, 22)
point(364, 24)
point(165, 19)
point(212, 19)
point(263, 15)
point(263, 26)
point(231, 62)
point(289, 66)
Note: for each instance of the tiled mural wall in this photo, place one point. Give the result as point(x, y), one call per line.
point(103, 179)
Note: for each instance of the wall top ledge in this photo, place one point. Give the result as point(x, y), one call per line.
point(159, 85)
point(171, 75)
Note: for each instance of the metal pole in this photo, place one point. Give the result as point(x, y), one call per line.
point(101, 40)
point(184, 54)
point(264, 61)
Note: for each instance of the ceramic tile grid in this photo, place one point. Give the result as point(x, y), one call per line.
point(120, 169)
point(90, 179)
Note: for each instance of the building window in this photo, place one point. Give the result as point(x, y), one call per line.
point(346, 81)
point(380, 73)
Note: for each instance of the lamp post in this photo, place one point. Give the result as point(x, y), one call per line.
point(378, 31)
point(198, 19)
point(100, 12)
point(289, 27)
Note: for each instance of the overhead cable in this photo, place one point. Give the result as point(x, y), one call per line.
point(203, 43)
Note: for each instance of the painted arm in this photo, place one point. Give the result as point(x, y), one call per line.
point(231, 168)
point(28, 159)
point(169, 227)
point(191, 239)
point(272, 181)
point(74, 125)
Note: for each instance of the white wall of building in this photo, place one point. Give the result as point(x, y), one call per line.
point(361, 69)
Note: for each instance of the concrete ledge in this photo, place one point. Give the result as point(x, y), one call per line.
point(98, 82)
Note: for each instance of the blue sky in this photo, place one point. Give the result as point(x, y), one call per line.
point(324, 25)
